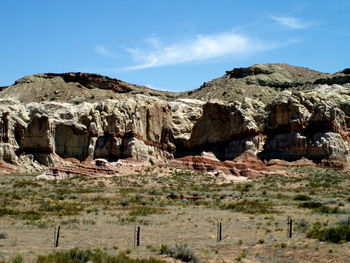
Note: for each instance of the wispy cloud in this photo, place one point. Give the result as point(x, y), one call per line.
point(291, 22)
point(102, 50)
point(200, 48)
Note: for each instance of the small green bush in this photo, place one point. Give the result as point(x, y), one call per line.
point(337, 234)
point(301, 197)
point(310, 205)
point(281, 245)
point(302, 226)
point(261, 241)
point(17, 259)
point(242, 255)
point(179, 251)
point(163, 249)
point(25, 214)
point(124, 203)
point(330, 210)
point(317, 207)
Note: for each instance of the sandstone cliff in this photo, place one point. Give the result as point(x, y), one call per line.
point(275, 111)
point(138, 127)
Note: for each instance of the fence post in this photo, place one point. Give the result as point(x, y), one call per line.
point(219, 231)
point(290, 227)
point(138, 236)
point(137, 231)
point(58, 236)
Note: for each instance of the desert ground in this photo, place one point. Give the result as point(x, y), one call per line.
point(177, 206)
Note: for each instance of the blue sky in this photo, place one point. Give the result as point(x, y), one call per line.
point(170, 45)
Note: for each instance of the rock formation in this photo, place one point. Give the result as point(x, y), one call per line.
point(274, 111)
point(75, 87)
point(138, 127)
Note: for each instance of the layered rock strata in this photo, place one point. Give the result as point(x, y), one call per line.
point(138, 127)
point(284, 113)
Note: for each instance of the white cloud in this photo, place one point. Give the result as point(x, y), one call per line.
point(291, 22)
point(202, 47)
point(102, 50)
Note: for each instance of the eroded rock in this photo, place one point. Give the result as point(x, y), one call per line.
point(273, 111)
point(137, 127)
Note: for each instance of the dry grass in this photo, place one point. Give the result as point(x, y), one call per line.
point(102, 213)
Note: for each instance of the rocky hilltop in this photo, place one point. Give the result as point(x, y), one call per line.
point(274, 111)
point(74, 87)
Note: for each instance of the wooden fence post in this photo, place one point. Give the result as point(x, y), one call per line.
point(137, 231)
point(138, 236)
point(58, 236)
point(290, 227)
point(219, 231)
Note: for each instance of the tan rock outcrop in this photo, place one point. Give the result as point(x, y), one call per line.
point(138, 127)
point(11, 129)
point(185, 114)
point(225, 129)
point(302, 126)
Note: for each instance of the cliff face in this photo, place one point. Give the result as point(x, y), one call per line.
point(290, 127)
point(138, 127)
point(274, 111)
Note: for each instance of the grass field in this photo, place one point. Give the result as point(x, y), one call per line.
point(178, 212)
